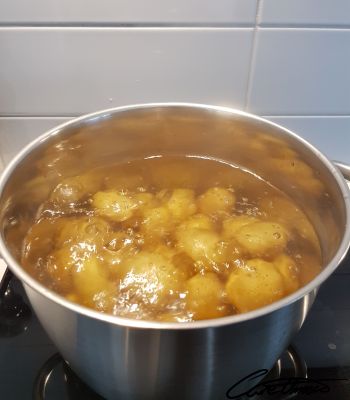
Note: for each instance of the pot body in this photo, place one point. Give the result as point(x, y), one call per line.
point(129, 359)
point(142, 364)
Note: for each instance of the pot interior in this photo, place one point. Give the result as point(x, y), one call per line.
point(269, 151)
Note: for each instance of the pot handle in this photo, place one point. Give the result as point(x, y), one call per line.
point(344, 169)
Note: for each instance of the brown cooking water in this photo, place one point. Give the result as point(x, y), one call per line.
point(84, 254)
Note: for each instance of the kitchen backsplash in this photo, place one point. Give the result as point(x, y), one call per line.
point(287, 60)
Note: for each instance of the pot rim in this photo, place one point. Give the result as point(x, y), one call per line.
point(145, 324)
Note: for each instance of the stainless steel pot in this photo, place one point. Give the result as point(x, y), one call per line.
point(130, 359)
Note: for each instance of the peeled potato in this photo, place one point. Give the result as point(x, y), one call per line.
point(260, 238)
point(157, 222)
point(289, 270)
point(254, 285)
point(216, 200)
point(117, 206)
point(145, 200)
point(199, 244)
point(231, 225)
point(292, 167)
point(90, 230)
point(89, 278)
point(286, 212)
point(181, 204)
point(205, 297)
point(198, 221)
point(149, 278)
point(60, 265)
point(73, 189)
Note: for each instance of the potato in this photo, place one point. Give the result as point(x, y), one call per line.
point(121, 245)
point(90, 279)
point(231, 225)
point(216, 200)
point(204, 298)
point(261, 238)
point(145, 200)
point(149, 279)
point(117, 206)
point(293, 167)
point(181, 204)
point(285, 211)
point(298, 172)
point(198, 221)
point(59, 266)
point(73, 189)
point(157, 222)
point(200, 244)
point(255, 284)
point(289, 270)
point(94, 231)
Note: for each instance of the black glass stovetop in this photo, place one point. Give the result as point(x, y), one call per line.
point(315, 367)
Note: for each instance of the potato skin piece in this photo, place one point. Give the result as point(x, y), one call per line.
point(255, 284)
point(205, 297)
point(260, 238)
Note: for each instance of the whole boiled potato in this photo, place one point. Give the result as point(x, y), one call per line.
point(150, 279)
point(197, 221)
point(289, 270)
point(118, 206)
point(231, 225)
point(181, 204)
point(201, 245)
point(216, 200)
point(255, 284)
point(204, 297)
point(93, 231)
point(261, 238)
point(157, 222)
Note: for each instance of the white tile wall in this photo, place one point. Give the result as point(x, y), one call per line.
point(237, 12)
point(305, 12)
point(289, 62)
point(301, 72)
point(68, 71)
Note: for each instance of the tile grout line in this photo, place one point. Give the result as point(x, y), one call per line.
point(252, 55)
point(174, 26)
point(141, 26)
